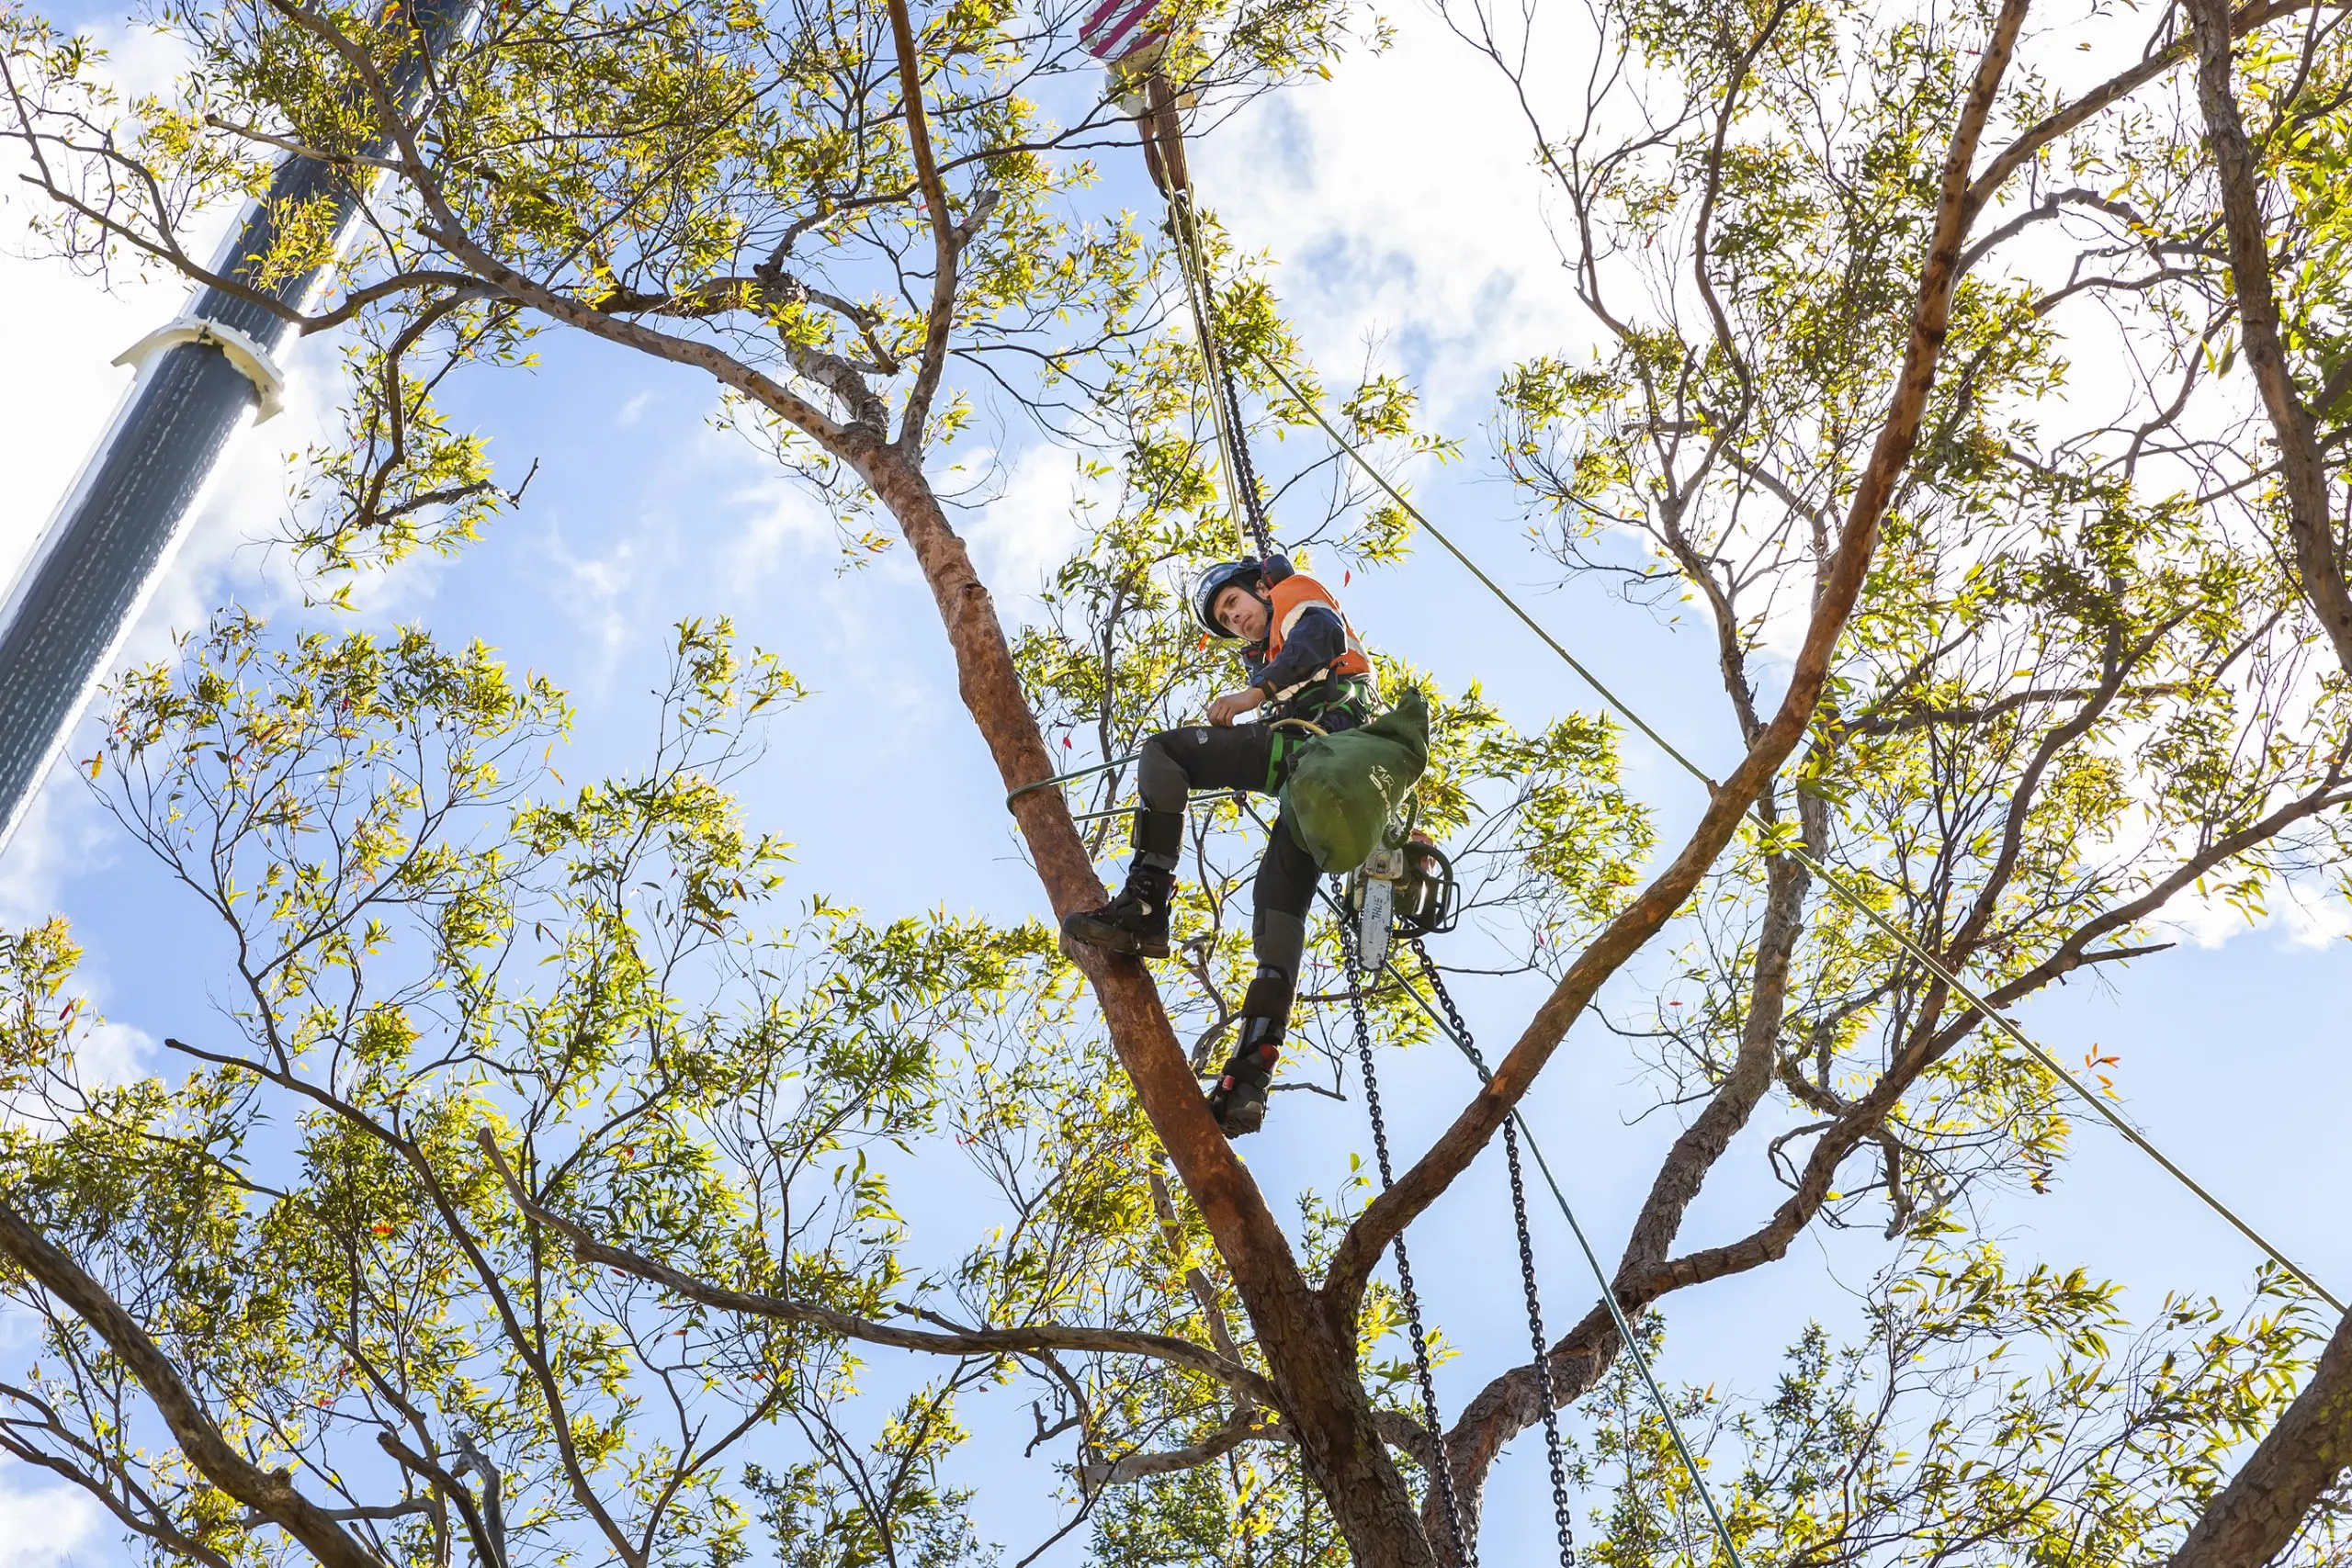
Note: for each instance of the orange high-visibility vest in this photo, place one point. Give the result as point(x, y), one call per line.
point(1290, 598)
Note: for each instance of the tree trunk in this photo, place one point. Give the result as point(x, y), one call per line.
point(1310, 1352)
point(2310, 526)
point(2259, 1511)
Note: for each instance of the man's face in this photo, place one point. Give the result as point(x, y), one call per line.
point(1241, 612)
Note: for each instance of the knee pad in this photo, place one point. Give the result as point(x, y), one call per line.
point(1160, 780)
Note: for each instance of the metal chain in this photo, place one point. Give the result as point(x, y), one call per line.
point(1563, 1516)
point(1246, 477)
point(1441, 1473)
point(1240, 479)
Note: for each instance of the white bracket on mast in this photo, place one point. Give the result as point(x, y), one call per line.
point(241, 349)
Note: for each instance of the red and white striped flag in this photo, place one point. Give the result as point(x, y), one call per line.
point(1114, 29)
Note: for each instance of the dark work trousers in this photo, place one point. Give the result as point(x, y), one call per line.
point(1174, 763)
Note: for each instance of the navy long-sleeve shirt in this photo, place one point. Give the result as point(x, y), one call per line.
point(1315, 640)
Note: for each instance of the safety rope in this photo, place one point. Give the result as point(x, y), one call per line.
point(1836, 883)
point(1561, 1515)
point(1442, 1470)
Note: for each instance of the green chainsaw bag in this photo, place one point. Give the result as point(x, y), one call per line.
point(1344, 787)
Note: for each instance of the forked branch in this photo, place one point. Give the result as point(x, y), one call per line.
point(952, 1341)
point(268, 1493)
point(1957, 206)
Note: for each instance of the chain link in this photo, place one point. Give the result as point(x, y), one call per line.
point(1192, 262)
point(1245, 477)
point(1563, 1516)
point(1441, 1473)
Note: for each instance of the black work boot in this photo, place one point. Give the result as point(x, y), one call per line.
point(1135, 922)
point(1238, 1100)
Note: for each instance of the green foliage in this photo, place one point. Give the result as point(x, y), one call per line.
point(2058, 1438)
point(2076, 689)
point(432, 939)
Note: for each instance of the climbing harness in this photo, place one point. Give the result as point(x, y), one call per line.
point(1442, 1470)
point(1839, 886)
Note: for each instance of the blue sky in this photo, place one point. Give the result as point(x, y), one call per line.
point(1423, 233)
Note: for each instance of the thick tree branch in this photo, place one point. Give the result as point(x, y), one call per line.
point(839, 375)
point(2257, 1514)
point(1242, 1427)
point(269, 1493)
point(2300, 464)
point(1311, 1350)
point(1956, 208)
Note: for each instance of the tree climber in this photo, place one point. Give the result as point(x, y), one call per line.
point(1304, 662)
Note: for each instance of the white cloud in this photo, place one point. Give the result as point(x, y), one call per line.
point(65, 834)
point(2299, 914)
point(1425, 229)
point(592, 589)
point(1032, 522)
point(114, 1052)
point(782, 524)
point(41, 1527)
